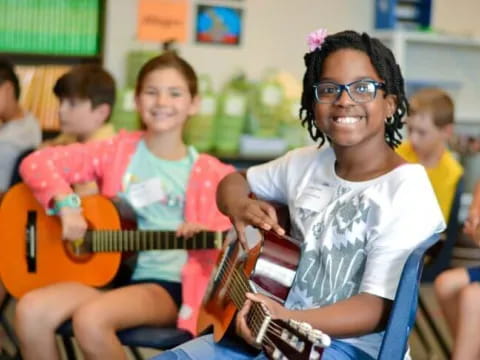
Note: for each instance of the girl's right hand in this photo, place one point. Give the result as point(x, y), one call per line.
point(74, 225)
point(257, 213)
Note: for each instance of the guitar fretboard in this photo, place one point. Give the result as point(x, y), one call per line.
point(237, 292)
point(136, 240)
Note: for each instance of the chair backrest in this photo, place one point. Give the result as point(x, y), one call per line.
point(16, 178)
point(7, 327)
point(441, 260)
point(404, 308)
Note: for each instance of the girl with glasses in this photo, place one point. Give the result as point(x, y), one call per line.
point(358, 208)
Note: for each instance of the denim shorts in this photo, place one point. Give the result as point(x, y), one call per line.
point(173, 288)
point(204, 347)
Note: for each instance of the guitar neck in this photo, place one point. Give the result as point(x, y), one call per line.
point(258, 317)
point(276, 335)
point(138, 240)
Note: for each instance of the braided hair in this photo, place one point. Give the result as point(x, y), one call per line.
point(382, 60)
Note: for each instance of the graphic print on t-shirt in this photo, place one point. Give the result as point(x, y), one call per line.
point(334, 253)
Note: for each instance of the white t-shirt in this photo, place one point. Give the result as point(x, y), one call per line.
point(356, 235)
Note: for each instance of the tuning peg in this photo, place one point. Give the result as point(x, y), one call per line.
point(300, 346)
point(319, 338)
point(296, 343)
point(278, 355)
point(326, 340)
point(294, 324)
point(305, 328)
point(323, 339)
point(314, 355)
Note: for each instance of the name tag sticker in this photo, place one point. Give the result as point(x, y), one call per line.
point(146, 193)
point(314, 199)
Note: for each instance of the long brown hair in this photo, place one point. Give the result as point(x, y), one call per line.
point(168, 60)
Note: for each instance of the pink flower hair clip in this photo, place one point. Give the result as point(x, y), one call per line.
point(316, 39)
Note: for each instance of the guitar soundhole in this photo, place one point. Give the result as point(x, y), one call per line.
point(80, 251)
point(77, 254)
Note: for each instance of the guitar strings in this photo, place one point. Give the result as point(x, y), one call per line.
point(259, 313)
point(131, 240)
point(260, 309)
point(238, 287)
point(257, 310)
point(237, 294)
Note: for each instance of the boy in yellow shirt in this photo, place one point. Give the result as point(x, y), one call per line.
point(430, 125)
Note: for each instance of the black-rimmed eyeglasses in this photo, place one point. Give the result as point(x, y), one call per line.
point(360, 91)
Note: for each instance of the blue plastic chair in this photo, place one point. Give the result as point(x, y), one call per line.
point(441, 260)
point(143, 336)
point(7, 327)
point(404, 308)
point(133, 338)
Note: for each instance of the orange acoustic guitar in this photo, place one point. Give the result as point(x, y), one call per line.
point(32, 253)
point(268, 267)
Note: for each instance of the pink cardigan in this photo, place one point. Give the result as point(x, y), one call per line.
point(50, 171)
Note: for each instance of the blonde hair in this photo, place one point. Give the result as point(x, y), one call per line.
point(435, 102)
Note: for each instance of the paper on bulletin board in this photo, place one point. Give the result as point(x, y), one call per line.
point(162, 20)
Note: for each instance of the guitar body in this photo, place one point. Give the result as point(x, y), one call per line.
point(270, 266)
point(55, 261)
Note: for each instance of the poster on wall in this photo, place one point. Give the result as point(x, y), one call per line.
point(218, 25)
point(162, 20)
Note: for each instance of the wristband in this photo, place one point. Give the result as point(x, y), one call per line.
point(71, 200)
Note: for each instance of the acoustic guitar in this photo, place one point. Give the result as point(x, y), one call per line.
point(32, 253)
point(268, 267)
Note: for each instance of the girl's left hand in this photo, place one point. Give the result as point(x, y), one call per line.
point(276, 310)
point(189, 229)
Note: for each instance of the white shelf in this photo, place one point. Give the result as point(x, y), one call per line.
point(427, 38)
point(448, 61)
point(463, 118)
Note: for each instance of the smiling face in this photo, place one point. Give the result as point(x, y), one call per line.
point(345, 122)
point(164, 101)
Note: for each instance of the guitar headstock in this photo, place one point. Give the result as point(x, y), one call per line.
point(289, 340)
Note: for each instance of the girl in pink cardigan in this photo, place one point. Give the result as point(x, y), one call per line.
point(169, 185)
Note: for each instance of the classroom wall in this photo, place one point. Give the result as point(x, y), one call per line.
point(458, 17)
point(274, 35)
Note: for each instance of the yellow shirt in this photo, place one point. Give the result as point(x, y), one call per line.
point(103, 132)
point(444, 177)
